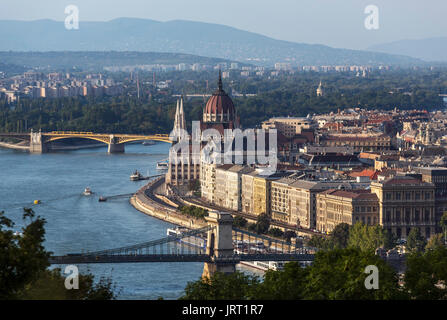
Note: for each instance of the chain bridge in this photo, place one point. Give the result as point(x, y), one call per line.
point(219, 246)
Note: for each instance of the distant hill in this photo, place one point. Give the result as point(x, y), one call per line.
point(178, 36)
point(433, 49)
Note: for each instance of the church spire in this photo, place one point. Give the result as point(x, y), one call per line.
point(220, 81)
point(182, 115)
point(179, 119)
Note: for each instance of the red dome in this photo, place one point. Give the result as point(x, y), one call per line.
point(219, 107)
point(219, 103)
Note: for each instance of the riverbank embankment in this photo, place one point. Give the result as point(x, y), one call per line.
point(146, 202)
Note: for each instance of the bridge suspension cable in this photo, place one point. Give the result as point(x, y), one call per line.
point(149, 244)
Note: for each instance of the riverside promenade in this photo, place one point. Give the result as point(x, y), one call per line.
point(145, 200)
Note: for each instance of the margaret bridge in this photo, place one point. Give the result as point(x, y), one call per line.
point(40, 142)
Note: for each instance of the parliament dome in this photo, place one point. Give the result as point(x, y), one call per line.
point(219, 107)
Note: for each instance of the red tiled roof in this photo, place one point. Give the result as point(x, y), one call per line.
point(364, 173)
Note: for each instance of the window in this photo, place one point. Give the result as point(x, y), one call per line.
point(408, 196)
point(427, 196)
point(388, 196)
point(417, 196)
point(427, 215)
point(407, 215)
point(398, 196)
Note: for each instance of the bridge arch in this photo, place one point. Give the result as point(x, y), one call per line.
point(100, 139)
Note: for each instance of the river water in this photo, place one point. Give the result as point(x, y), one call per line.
point(77, 223)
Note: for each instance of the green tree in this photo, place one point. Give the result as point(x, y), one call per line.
point(320, 242)
point(50, 286)
point(367, 238)
point(23, 258)
point(426, 274)
point(340, 274)
point(435, 241)
point(24, 262)
point(239, 222)
point(340, 235)
point(262, 223)
point(288, 235)
point(234, 286)
point(275, 232)
point(286, 284)
point(443, 224)
point(415, 240)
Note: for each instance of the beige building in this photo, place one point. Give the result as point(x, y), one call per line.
point(229, 185)
point(406, 202)
point(280, 199)
point(303, 201)
point(289, 127)
point(256, 192)
point(208, 180)
point(247, 196)
point(340, 206)
point(262, 194)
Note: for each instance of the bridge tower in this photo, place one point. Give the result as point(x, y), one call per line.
point(36, 143)
point(115, 146)
point(219, 244)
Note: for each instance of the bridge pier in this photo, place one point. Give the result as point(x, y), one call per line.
point(219, 244)
point(36, 144)
point(116, 148)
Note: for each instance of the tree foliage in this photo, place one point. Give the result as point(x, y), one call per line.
point(335, 274)
point(194, 211)
point(369, 238)
point(415, 240)
point(426, 274)
point(24, 263)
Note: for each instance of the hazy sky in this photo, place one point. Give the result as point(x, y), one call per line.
point(338, 23)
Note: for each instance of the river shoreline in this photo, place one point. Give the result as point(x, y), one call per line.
point(141, 202)
point(52, 148)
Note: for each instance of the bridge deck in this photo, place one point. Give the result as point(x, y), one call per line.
point(86, 259)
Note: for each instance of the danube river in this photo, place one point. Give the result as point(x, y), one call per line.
point(76, 223)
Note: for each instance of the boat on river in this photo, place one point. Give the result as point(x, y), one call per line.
point(162, 165)
point(87, 192)
point(136, 176)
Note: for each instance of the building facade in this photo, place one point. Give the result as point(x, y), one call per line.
point(406, 202)
point(341, 206)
